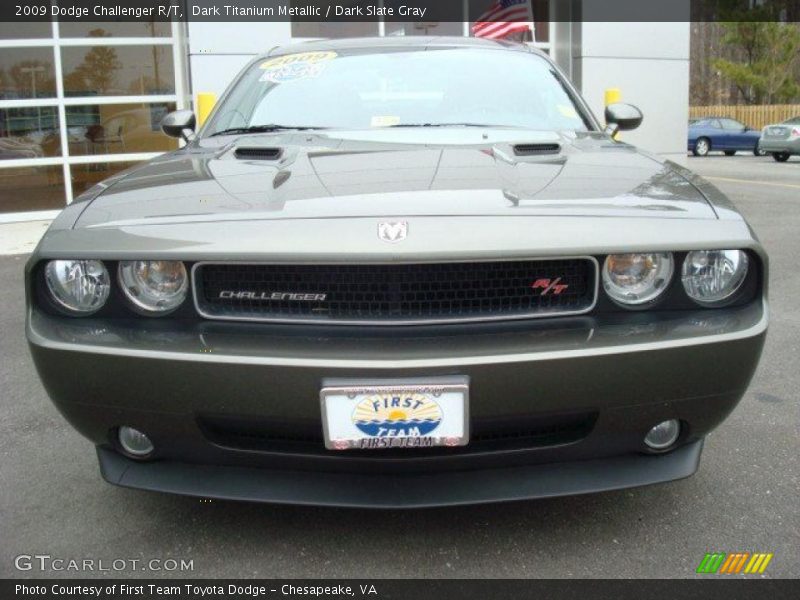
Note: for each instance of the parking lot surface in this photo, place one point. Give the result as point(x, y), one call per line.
point(743, 498)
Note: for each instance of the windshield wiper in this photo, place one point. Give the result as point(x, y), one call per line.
point(263, 129)
point(448, 125)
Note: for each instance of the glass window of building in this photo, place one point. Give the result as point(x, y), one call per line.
point(118, 70)
point(29, 132)
point(118, 128)
point(25, 189)
point(333, 29)
point(60, 137)
point(80, 29)
point(27, 73)
point(11, 30)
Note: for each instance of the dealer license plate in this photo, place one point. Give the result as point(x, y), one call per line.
point(395, 414)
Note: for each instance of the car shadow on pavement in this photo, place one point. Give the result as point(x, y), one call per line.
point(489, 540)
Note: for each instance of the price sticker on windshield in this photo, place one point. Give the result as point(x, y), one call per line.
point(384, 121)
point(293, 67)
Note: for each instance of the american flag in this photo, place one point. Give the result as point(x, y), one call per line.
point(504, 17)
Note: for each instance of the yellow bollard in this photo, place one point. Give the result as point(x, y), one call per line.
point(205, 103)
point(612, 96)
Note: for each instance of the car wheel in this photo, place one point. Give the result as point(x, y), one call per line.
point(730, 152)
point(702, 147)
point(758, 151)
point(780, 156)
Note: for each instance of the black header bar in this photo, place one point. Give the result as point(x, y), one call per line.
point(712, 588)
point(391, 10)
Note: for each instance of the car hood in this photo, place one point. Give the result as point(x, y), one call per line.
point(322, 176)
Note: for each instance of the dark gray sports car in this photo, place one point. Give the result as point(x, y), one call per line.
point(375, 279)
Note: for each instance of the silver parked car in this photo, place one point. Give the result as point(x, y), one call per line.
point(782, 140)
point(398, 272)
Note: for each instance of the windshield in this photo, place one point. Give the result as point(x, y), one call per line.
point(396, 88)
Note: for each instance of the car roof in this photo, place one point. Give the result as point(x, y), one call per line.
point(696, 120)
point(410, 42)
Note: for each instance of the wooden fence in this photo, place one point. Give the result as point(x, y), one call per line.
point(754, 116)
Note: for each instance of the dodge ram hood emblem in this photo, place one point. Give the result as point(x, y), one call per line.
point(393, 231)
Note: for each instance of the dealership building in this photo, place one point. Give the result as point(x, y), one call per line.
point(80, 101)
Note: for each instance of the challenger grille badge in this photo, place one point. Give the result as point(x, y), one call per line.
point(293, 296)
point(392, 231)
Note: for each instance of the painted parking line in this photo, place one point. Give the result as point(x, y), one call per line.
point(754, 182)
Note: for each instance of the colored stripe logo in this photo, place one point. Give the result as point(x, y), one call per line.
point(735, 562)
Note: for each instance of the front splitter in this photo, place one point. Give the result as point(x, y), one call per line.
point(418, 490)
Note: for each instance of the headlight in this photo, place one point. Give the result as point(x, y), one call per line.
point(635, 279)
point(154, 286)
point(78, 286)
point(711, 276)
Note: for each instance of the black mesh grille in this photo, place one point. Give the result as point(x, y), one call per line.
point(396, 292)
point(486, 435)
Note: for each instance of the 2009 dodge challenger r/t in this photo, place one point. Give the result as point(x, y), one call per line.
point(398, 273)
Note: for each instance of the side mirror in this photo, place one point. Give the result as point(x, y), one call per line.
point(623, 117)
point(179, 124)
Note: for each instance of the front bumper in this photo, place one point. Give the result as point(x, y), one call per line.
point(617, 376)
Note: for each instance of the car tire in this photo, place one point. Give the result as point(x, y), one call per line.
point(758, 151)
point(702, 147)
point(730, 152)
point(781, 156)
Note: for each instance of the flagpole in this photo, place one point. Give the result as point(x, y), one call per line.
point(531, 23)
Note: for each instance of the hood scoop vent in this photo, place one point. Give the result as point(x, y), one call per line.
point(258, 153)
point(536, 149)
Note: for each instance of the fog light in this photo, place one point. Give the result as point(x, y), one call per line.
point(663, 435)
point(134, 442)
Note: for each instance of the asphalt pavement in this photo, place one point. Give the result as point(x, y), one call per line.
point(743, 498)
